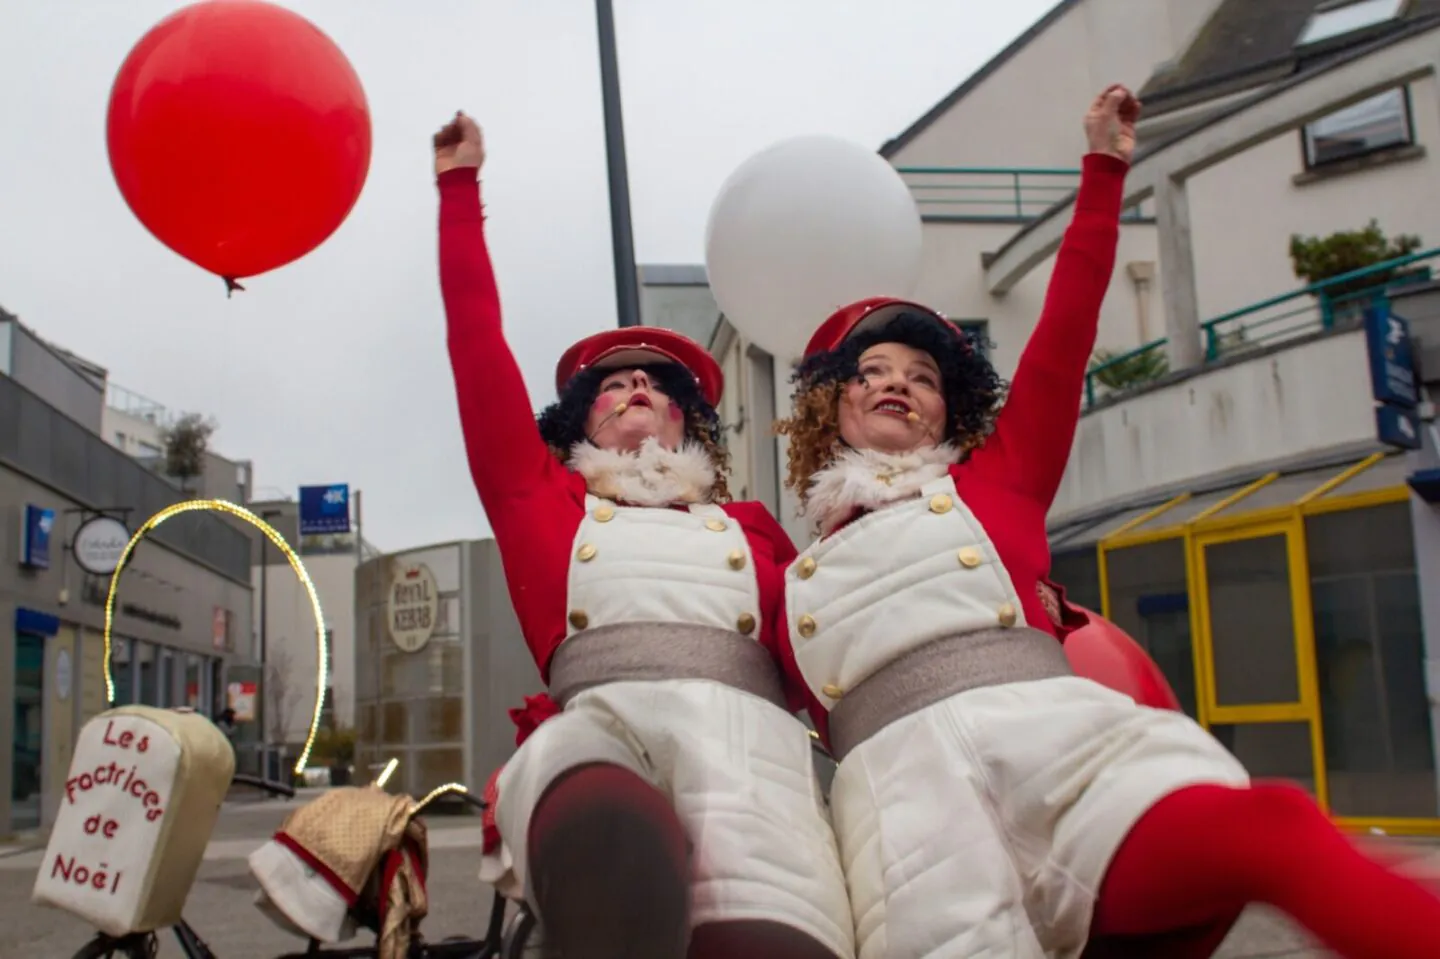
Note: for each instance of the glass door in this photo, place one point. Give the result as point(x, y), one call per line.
point(29, 738)
point(1257, 651)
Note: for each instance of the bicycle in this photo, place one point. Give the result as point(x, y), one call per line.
point(502, 940)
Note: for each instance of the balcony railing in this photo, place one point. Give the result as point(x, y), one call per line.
point(992, 194)
point(133, 404)
point(1339, 301)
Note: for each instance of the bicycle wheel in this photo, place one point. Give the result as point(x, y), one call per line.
point(134, 946)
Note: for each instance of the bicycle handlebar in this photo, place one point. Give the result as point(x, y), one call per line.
point(259, 782)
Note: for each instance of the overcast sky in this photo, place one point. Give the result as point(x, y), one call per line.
point(333, 369)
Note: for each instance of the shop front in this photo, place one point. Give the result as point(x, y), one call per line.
point(438, 663)
point(1286, 613)
point(180, 619)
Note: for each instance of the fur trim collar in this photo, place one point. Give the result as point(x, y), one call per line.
point(866, 479)
point(650, 476)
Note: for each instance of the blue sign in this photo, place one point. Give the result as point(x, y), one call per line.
point(325, 509)
point(35, 537)
point(1392, 358)
point(1397, 426)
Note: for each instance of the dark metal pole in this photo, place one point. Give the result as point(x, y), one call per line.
point(264, 684)
point(627, 283)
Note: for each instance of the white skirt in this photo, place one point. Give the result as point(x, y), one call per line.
point(981, 827)
point(740, 774)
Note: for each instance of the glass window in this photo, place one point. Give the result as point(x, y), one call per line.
point(166, 694)
point(194, 683)
point(1369, 652)
point(979, 333)
point(1150, 600)
point(1271, 750)
point(122, 671)
point(1252, 625)
point(1341, 18)
point(1372, 124)
point(29, 734)
point(1079, 572)
point(149, 687)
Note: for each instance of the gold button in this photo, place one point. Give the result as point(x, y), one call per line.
point(603, 514)
point(585, 553)
point(1007, 614)
point(746, 624)
point(833, 691)
point(806, 625)
point(736, 559)
point(807, 568)
point(940, 503)
point(715, 525)
point(970, 557)
point(578, 619)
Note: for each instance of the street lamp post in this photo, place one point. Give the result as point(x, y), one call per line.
point(260, 710)
point(622, 238)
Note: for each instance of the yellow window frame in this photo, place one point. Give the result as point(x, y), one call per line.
point(1217, 524)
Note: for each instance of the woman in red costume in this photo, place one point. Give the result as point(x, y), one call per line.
point(675, 789)
point(988, 801)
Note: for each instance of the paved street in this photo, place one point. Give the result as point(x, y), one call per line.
point(220, 903)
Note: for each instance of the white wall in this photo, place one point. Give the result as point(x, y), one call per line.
point(290, 633)
point(1244, 210)
point(134, 435)
point(953, 282)
point(1308, 398)
point(1028, 112)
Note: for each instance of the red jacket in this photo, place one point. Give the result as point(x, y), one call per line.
point(1011, 481)
point(535, 504)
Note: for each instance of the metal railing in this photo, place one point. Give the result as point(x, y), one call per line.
point(129, 402)
point(1007, 194)
point(1338, 301)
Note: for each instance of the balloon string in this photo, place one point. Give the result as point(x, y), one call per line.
point(231, 285)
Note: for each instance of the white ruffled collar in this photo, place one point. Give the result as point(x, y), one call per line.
point(867, 480)
point(649, 476)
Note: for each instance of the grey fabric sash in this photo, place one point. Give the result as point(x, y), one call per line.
point(939, 670)
point(653, 651)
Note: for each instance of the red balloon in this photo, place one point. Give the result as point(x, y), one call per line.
point(239, 135)
point(1102, 651)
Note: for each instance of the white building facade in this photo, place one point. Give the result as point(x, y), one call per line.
point(1244, 506)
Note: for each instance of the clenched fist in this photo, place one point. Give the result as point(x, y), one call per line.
point(459, 144)
point(1110, 122)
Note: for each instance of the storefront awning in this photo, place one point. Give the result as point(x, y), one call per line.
point(1376, 472)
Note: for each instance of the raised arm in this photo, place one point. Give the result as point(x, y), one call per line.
point(1036, 427)
point(506, 454)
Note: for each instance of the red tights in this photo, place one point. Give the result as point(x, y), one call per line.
point(1199, 855)
point(609, 865)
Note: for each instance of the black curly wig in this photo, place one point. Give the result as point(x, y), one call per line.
point(973, 392)
point(562, 423)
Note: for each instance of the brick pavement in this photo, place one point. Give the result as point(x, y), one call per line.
point(220, 903)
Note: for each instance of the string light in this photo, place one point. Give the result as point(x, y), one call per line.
point(386, 773)
point(223, 506)
point(436, 793)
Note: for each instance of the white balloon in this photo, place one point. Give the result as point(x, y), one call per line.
point(801, 229)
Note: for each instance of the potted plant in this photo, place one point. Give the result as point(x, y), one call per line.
point(1317, 259)
point(1126, 371)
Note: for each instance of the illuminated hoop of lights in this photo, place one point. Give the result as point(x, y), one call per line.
point(223, 506)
